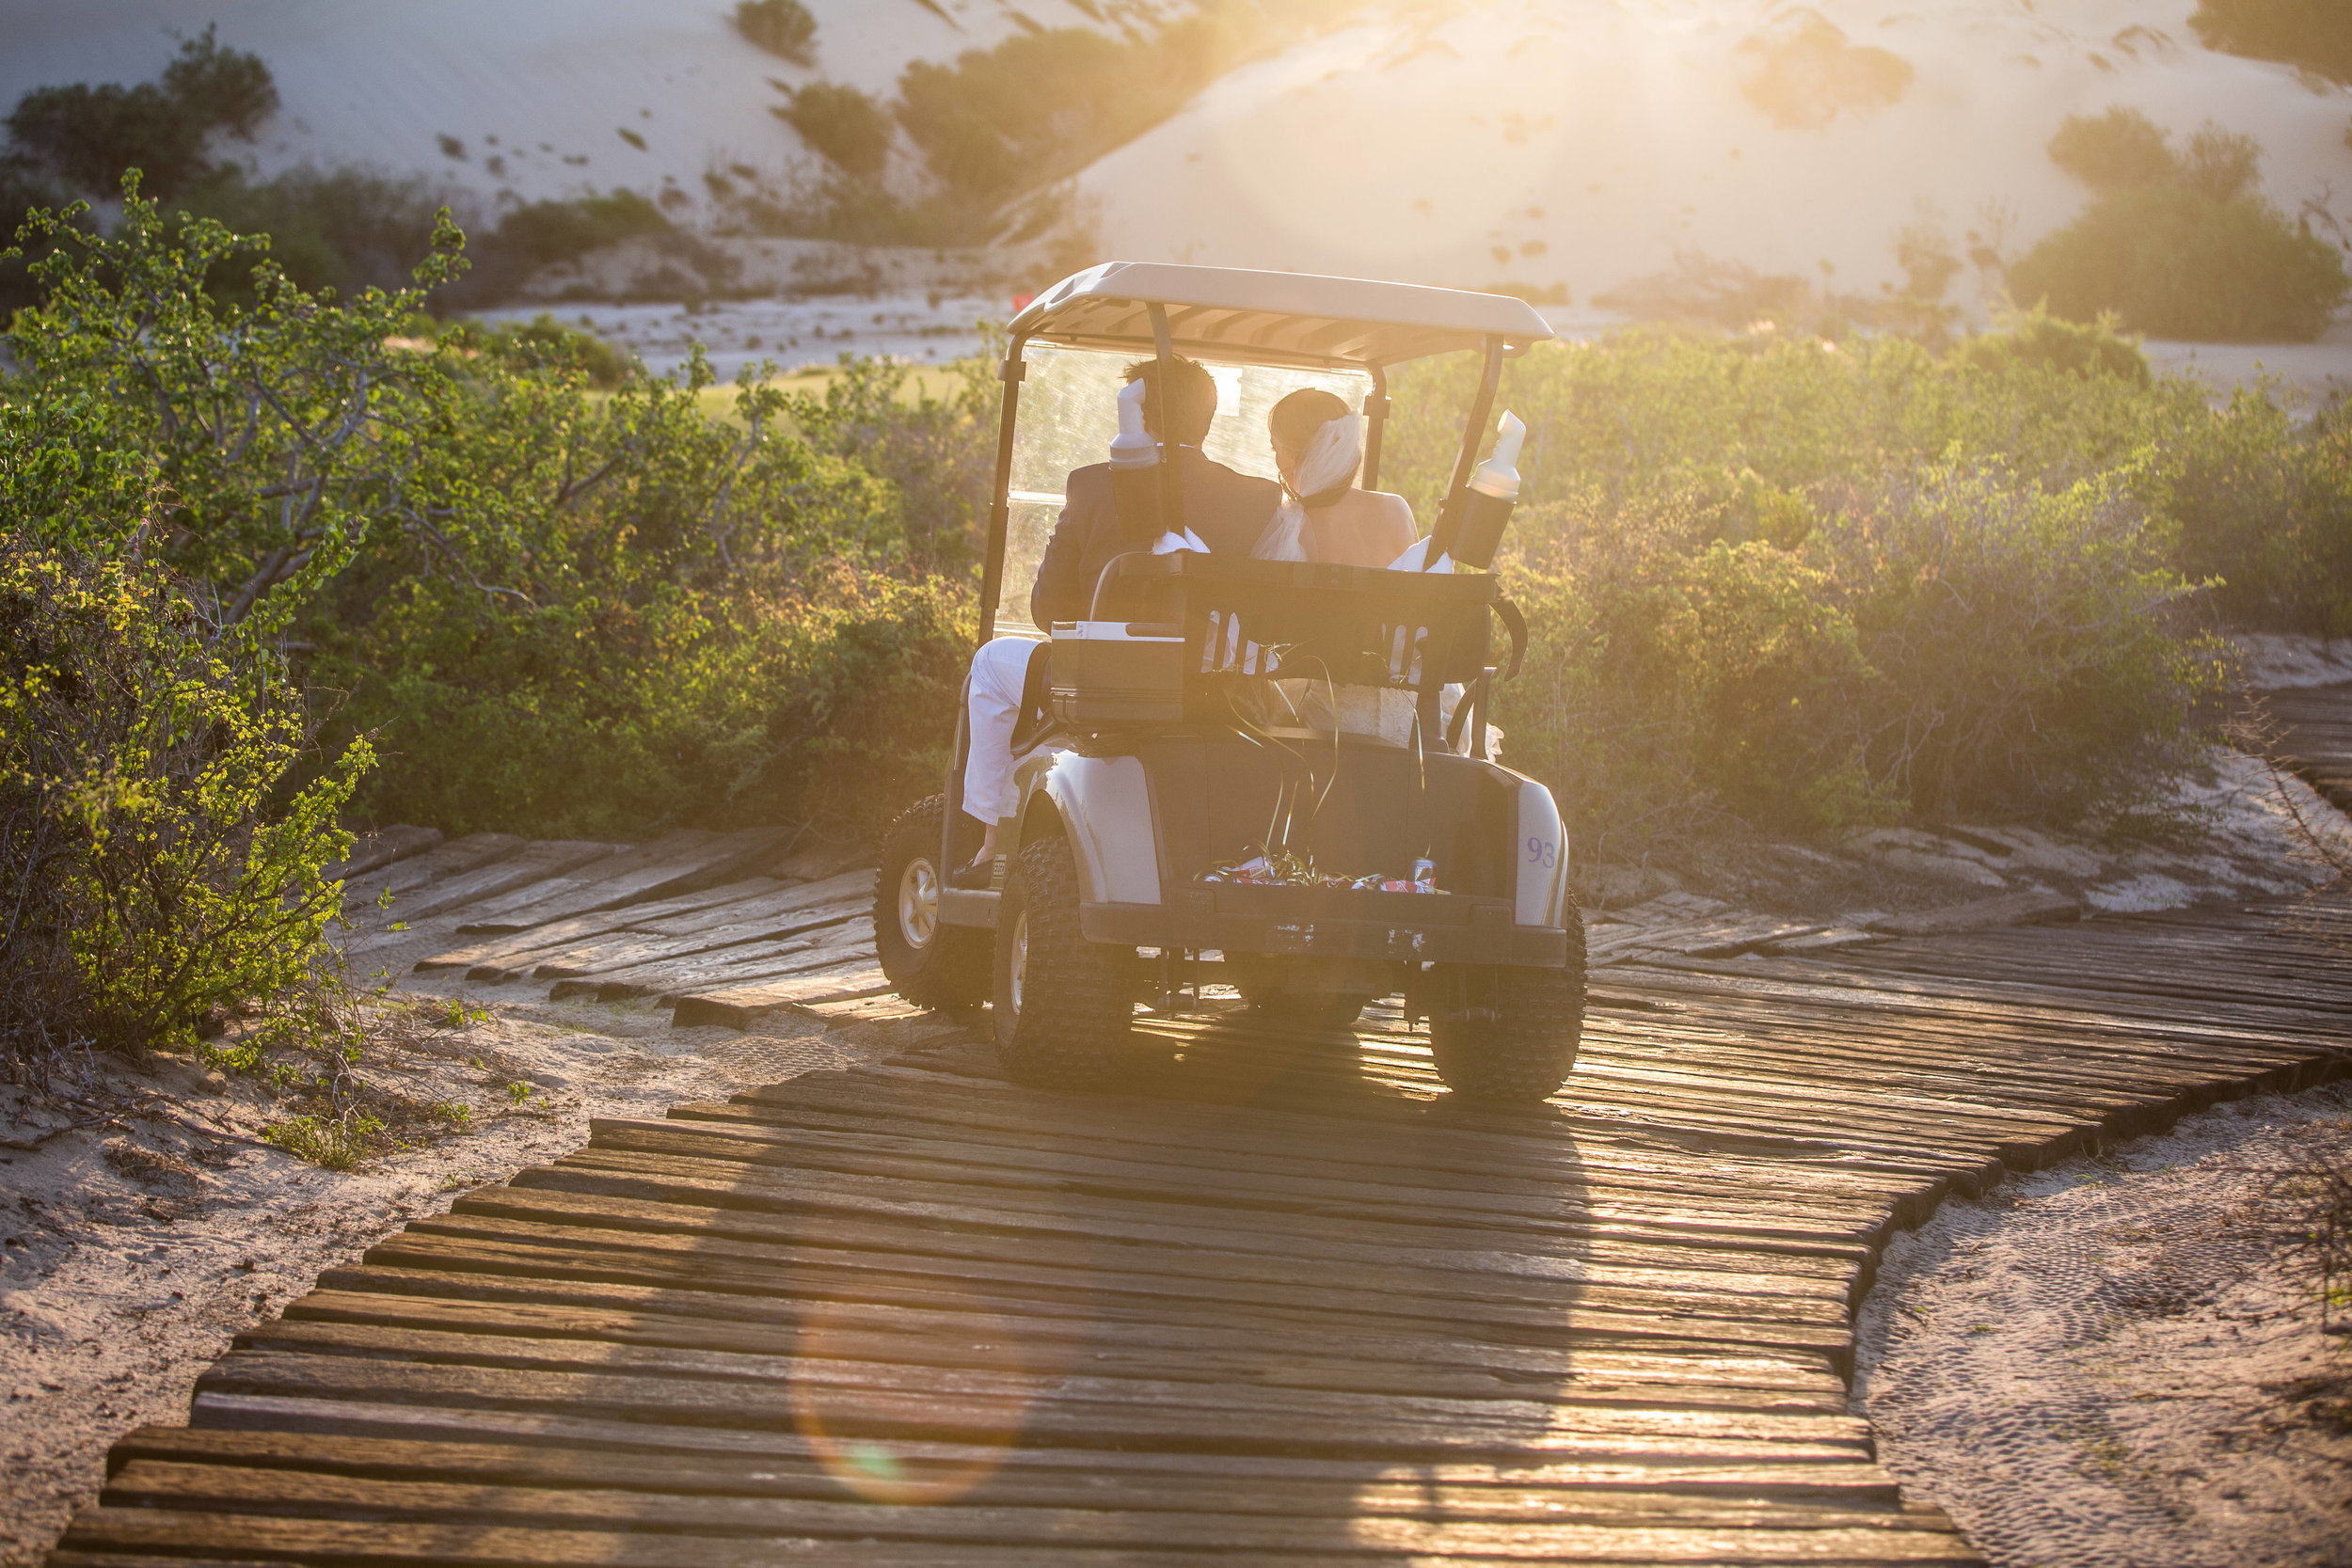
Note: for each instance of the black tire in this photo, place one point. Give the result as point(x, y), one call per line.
point(1509, 1036)
point(930, 963)
point(1064, 1006)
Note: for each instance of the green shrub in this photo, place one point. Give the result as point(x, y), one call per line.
point(2037, 339)
point(540, 344)
point(938, 452)
point(332, 1143)
point(2263, 506)
point(1664, 686)
point(2315, 35)
point(2180, 247)
point(158, 876)
point(832, 701)
point(341, 228)
point(543, 232)
point(2120, 150)
point(842, 125)
point(2174, 262)
point(781, 27)
point(87, 135)
point(2028, 665)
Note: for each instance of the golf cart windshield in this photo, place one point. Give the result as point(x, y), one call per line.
point(1069, 411)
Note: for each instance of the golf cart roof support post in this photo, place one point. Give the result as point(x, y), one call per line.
point(1172, 460)
point(999, 512)
point(1375, 421)
point(1482, 408)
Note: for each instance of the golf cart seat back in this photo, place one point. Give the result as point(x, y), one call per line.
point(1360, 627)
point(1352, 625)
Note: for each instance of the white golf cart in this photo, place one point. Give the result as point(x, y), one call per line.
point(1271, 775)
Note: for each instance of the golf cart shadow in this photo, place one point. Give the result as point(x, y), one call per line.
point(1334, 1304)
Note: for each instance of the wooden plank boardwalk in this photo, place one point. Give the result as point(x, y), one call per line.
point(2315, 736)
point(1279, 1301)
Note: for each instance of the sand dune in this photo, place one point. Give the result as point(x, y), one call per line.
point(1581, 143)
point(537, 91)
point(1585, 142)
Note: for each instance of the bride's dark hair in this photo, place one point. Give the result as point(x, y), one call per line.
point(1293, 423)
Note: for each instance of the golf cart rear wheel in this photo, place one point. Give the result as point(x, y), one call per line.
point(1508, 1035)
point(1063, 1003)
point(930, 962)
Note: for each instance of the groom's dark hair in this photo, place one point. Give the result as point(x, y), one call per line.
point(1193, 403)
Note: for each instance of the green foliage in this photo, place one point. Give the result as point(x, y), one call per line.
point(729, 615)
point(842, 125)
point(333, 1143)
point(936, 452)
point(1665, 682)
point(341, 228)
point(2182, 247)
point(2120, 150)
point(2264, 504)
point(2037, 339)
point(783, 27)
point(1809, 585)
point(87, 135)
point(2029, 666)
point(2173, 261)
point(160, 876)
point(541, 232)
point(832, 701)
point(540, 344)
point(2315, 35)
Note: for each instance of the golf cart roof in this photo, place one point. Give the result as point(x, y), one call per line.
point(1230, 313)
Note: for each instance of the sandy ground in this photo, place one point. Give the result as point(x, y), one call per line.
point(133, 1248)
point(2116, 1362)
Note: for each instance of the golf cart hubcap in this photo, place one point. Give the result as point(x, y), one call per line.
point(918, 903)
point(1017, 966)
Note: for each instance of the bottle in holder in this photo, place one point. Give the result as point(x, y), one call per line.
point(1135, 471)
point(1473, 526)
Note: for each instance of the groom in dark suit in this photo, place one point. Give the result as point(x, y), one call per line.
point(1229, 511)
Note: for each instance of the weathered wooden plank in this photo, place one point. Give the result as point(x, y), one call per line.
point(469, 1544)
point(1536, 1523)
point(437, 863)
point(916, 1336)
point(581, 927)
point(534, 862)
point(677, 965)
point(738, 1007)
point(373, 851)
point(1306, 1488)
point(672, 863)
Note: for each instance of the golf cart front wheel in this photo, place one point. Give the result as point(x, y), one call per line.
point(1507, 1035)
point(1063, 1004)
point(930, 962)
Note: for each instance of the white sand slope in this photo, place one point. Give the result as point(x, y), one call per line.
point(1581, 143)
point(1585, 142)
point(555, 82)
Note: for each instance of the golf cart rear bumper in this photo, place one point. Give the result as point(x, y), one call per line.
point(1465, 932)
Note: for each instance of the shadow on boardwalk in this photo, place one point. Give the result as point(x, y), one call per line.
point(1278, 1301)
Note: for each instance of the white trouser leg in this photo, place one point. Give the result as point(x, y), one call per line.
point(994, 707)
